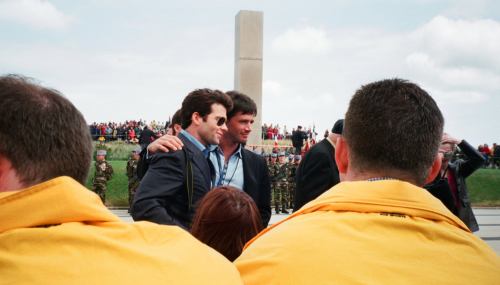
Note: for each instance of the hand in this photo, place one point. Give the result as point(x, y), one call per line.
point(165, 143)
point(449, 139)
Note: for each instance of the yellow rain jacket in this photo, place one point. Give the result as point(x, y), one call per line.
point(381, 232)
point(58, 232)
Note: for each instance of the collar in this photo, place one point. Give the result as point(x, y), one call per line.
point(204, 149)
point(56, 201)
point(238, 151)
point(393, 196)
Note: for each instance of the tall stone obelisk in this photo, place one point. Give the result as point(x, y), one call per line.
point(248, 64)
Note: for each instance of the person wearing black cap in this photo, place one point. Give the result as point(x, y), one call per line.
point(317, 171)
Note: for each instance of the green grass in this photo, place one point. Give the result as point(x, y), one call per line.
point(484, 187)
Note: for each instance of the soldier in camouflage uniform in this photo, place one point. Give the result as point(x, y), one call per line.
point(281, 191)
point(133, 179)
point(271, 166)
point(103, 172)
point(291, 178)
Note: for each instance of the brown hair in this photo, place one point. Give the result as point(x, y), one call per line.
point(241, 103)
point(42, 134)
point(393, 125)
point(201, 101)
point(225, 220)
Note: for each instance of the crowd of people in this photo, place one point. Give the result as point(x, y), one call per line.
point(203, 203)
point(275, 132)
point(129, 131)
point(491, 155)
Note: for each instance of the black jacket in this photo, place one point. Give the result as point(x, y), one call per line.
point(317, 172)
point(162, 195)
point(256, 183)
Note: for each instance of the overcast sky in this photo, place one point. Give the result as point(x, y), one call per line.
point(121, 59)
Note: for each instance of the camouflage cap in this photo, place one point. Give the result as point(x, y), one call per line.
point(274, 155)
point(298, 157)
point(281, 153)
point(137, 150)
point(101, 152)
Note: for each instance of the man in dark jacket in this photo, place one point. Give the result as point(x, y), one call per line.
point(176, 181)
point(318, 171)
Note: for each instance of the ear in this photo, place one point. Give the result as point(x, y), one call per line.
point(435, 168)
point(196, 118)
point(8, 176)
point(342, 155)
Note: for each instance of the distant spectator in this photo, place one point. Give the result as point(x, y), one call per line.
point(226, 219)
point(298, 139)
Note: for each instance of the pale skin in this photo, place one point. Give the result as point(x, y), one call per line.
point(349, 172)
point(9, 179)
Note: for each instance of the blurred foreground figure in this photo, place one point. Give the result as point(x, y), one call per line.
point(226, 219)
point(449, 185)
point(378, 226)
point(55, 231)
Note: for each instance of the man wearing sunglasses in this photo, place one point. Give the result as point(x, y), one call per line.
point(234, 165)
point(449, 185)
point(176, 181)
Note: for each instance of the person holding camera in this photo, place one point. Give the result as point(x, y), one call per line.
point(449, 186)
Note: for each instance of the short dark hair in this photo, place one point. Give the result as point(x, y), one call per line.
point(176, 119)
point(201, 101)
point(393, 124)
point(241, 103)
point(42, 134)
point(226, 219)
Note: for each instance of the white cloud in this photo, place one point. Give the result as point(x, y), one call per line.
point(303, 40)
point(35, 13)
point(461, 42)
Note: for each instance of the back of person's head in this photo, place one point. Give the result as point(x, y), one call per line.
point(201, 101)
point(241, 103)
point(41, 133)
point(395, 126)
point(176, 118)
point(226, 219)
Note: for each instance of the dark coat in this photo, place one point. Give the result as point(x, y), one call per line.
point(256, 183)
point(162, 195)
point(317, 172)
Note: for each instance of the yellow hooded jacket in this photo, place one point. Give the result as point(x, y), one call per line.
point(381, 232)
point(58, 232)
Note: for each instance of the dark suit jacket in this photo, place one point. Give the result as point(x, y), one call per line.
point(162, 195)
point(256, 183)
point(317, 172)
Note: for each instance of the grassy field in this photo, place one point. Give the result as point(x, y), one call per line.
point(483, 185)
